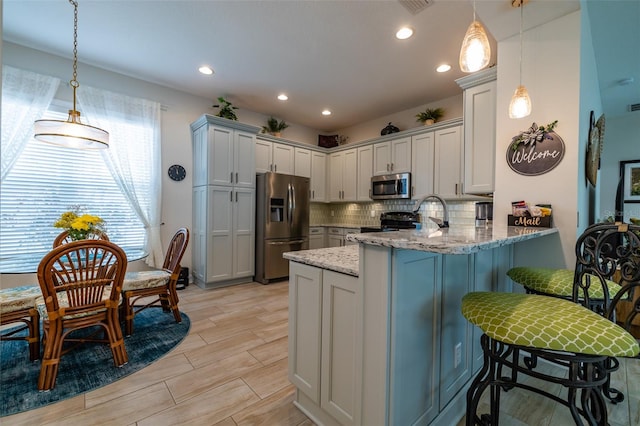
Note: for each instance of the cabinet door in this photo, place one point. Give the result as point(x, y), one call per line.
point(302, 162)
point(305, 322)
point(338, 383)
point(220, 238)
point(350, 175)
point(199, 233)
point(401, 155)
point(448, 162)
point(382, 158)
point(336, 170)
point(220, 156)
point(244, 159)
point(365, 171)
point(318, 176)
point(316, 237)
point(335, 240)
point(264, 156)
point(479, 138)
point(243, 232)
point(283, 158)
point(422, 147)
point(200, 157)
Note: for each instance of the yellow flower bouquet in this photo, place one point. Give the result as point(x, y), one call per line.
point(79, 225)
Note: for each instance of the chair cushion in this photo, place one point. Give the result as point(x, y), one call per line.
point(544, 322)
point(145, 279)
point(63, 302)
point(18, 298)
point(557, 282)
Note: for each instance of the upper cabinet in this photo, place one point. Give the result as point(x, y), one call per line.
point(302, 162)
point(422, 149)
point(223, 155)
point(479, 131)
point(365, 171)
point(343, 172)
point(274, 157)
point(447, 178)
point(318, 176)
point(392, 156)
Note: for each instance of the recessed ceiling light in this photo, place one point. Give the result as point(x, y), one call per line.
point(443, 68)
point(404, 33)
point(205, 70)
point(283, 97)
point(326, 112)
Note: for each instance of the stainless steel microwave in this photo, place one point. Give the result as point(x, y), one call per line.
point(391, 187)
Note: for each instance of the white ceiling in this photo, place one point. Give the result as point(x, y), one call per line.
point(340, 54)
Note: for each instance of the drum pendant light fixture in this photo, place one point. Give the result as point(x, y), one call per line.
point(475, 52)
point(72, 133)
point(520, 105)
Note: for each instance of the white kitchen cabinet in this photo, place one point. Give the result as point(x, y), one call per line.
point(392, 156)
point(448, 162)
point(365, 171)
point(223, 230)
point(223, 156)
point(318, 176)
point(274, 157)
point(479, 131)
point(336, 236)
point(323, 330)
point(302, 162)
point(422, 149)
point(343, 166)
point(316, 237)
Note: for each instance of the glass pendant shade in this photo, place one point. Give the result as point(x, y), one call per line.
point(475, 52)
point(71, 133)
point(520, 105)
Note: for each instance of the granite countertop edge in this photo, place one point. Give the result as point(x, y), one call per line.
point(339, 259)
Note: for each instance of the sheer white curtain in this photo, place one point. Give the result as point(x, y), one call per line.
point(29, 94)
point(123, 116)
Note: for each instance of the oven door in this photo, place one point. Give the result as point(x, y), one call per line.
point(389, 187)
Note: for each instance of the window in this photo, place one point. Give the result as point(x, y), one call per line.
point(47, 180)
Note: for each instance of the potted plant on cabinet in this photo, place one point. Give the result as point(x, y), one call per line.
point(226, 109)
point(430, 116)
point(274, 127)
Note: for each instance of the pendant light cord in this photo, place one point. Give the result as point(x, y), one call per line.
point(521, 10)
point(74, 82)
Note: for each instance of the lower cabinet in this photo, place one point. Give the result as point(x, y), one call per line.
point(323, 333)
point(316, 237)
point(335, 236)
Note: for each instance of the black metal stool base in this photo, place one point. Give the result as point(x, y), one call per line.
point(588, 375)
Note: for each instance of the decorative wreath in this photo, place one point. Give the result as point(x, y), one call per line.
point(533, 135)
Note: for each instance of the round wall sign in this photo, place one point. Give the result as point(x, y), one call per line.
point(177, 172)
point(535, 151)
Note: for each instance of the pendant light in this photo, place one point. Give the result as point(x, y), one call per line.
point(72, 133)
point(520, 105)
point(475, 52)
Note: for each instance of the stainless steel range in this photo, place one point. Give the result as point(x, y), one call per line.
point(393, 221)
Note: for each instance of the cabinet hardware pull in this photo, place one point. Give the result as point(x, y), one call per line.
point(236, 177)
point(387, 166)
point(231, 196)
point(275, 168)
point(231, 177)
point(313, 194)
point(391, 166)
point(236, 196)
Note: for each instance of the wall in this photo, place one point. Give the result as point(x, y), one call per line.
point(551, 73)
point(404, 120)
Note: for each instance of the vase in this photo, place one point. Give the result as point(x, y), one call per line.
point(277, 134)
point(429, 122)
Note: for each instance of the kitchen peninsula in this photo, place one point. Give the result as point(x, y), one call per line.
point(376, 336)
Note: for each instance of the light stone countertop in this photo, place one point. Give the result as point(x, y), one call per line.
point(339, 225)
point(339, 259)
point(454, 240)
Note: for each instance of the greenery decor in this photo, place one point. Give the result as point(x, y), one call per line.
point(532, 135)
point(79, 225)
point(274, 126)
point(430, 114)
point(226, 109)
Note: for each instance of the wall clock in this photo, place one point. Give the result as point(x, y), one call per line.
point(177, 172)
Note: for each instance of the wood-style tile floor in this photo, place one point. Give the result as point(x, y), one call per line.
point(232, 370)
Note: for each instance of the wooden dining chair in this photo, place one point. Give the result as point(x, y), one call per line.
point(81, 283)
point(18, 307)
point(64, 237)
point(145, 289)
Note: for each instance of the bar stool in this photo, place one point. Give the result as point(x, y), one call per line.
point(520, 329)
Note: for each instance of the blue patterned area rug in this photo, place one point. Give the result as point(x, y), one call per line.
point(87, 367)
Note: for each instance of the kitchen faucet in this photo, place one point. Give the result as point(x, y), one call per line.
point(442, 223)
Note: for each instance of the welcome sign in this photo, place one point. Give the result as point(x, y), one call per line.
point(535, 151)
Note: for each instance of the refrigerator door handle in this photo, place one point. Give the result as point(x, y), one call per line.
point(289, 204)
point(285, 243)
point(293, 202)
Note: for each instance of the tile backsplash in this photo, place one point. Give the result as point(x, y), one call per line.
point(359, 214)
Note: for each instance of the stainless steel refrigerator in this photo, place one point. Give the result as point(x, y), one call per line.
point(282, 222)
